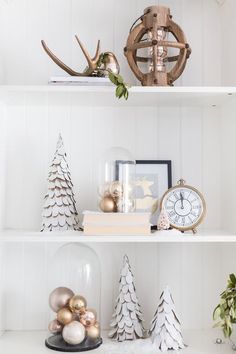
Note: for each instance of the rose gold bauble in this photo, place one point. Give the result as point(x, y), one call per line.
point(116, 189)
point(59, 298)
point(55, 327)
point(78, 304)
point(73, 333)
point(93, 332)
point(64, 316)
point(107, 204)
point(88, 318)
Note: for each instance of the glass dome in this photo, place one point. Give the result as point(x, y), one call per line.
point(74, 284)
point(116, 181)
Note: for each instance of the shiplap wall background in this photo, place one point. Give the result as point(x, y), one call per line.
point(189, 136)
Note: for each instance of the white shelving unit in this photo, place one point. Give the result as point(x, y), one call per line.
point(193, 124)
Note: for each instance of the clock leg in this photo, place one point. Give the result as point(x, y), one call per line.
point(194, 231)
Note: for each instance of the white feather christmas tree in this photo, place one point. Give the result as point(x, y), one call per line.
point(59, 210)
point(165, 328)
point(127, 319)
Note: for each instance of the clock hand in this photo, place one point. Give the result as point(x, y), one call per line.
point(182, 200)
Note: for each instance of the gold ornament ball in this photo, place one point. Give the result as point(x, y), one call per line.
point(116, 189)
point(78, 304)
point(59, 298)
point(55, 327)
point(88, 318)
point(64, 316)
point(93, 332)
point(107, 205)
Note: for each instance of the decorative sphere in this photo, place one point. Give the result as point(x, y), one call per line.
point(116, 189)
point(233, 347)
point(107, 205)
point(73, 333)
point(88, 318)
point(59, 298)
point(64, 316)
point(93, 332)
point(55, 327)
point(78, 304)
point(219, 341)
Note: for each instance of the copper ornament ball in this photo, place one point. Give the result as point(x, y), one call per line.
point(59, 298)
point(78, 304)
point(55, 327)
point(93, 332)
point(73, 333)
point(64, 316)
point(107, 204)
point(88, 318)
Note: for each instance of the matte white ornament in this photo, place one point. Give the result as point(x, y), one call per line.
point(59, 210)
point(165, 328)
point(73, 333)
point(163, 222)
point(127, 319)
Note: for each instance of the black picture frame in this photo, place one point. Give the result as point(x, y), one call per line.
point(166, 185)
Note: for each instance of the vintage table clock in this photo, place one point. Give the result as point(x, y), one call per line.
point(152, 33)
point(185, 206)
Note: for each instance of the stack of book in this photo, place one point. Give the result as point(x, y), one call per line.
point(98, 223)
point(80, 80)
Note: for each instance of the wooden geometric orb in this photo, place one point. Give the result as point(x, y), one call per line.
point(152, 33)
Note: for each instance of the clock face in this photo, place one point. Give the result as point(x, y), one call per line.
point(184, 206)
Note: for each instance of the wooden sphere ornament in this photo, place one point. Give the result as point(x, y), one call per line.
point(64, 316)
point(152, 33)
point(59, 298)
point(78, 304)
point(108, 204)
point(55, 327)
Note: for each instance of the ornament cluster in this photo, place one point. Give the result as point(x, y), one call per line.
point(115, 197)
point(59, 210)
point(74, 321)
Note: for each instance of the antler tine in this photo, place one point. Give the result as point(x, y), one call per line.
point(91, 64)
point(97, 54)
point(59, 62)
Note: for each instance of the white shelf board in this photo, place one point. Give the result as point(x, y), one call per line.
point(105, 95)
point(214, 236)
point(199, 342)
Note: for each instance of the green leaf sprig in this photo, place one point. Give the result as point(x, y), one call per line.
point(122, 88)
point(225, 313)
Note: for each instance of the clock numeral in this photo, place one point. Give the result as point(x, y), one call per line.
point(171, 201)
point(169, 208)
point(196, 207)
point(194, 200)
point(193, 214)
point(176, 196)
point(177, 218)
point(190, 219)
point(183, 220)
point(172, 213)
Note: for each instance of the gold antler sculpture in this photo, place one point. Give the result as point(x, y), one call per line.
point(92, 62)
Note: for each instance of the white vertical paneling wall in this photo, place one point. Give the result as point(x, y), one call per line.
point(23, 23)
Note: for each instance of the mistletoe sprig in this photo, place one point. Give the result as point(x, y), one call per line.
point(225, 313)
point(122, 88)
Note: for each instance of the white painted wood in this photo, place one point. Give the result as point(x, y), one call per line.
point(199, 342)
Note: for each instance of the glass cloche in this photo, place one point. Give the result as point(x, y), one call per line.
point(74, 285)
point(116, 181)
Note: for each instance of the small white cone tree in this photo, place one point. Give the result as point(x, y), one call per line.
point(127, 319)
point(163, 222)
point(59, 210)
point(165, 328)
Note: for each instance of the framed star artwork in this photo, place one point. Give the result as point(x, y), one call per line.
point(153, 179)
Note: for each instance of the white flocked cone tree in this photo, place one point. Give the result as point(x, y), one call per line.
point(165, 328)
point(127, 319)
point(59, 210)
